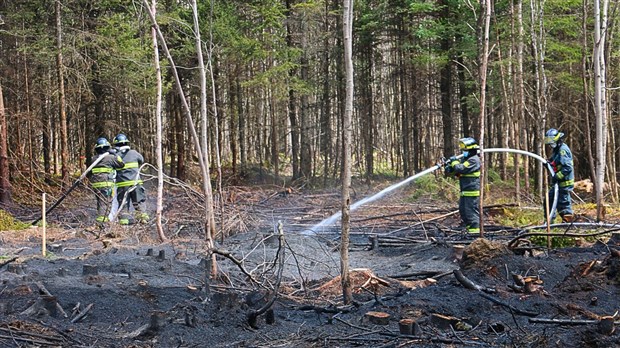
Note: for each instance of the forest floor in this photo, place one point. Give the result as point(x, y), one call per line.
point(116, 286)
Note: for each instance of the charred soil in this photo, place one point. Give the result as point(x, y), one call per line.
point(417, 280)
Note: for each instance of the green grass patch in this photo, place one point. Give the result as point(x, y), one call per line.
point(438, 187)
point(556, 242)
point(517, 217)
point(9, 223)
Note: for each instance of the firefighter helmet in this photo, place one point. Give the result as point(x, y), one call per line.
point(121, 140)
point(102, 145)
point(469, 143)
point(553, 136)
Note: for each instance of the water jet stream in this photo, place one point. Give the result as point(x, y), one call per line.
point(332, 219)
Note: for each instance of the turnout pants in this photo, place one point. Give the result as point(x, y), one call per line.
point(564, 206)
point(469, 208)
point(136, 198)
point(104, 202)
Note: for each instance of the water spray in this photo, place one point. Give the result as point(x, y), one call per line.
point(332, 219)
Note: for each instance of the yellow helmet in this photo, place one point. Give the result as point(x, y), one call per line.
point(468, 143)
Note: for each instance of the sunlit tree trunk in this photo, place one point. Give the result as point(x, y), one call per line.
point(210, 218)
point(158, 133)
point(347, 25)
point(5, 185)
point(600, 100)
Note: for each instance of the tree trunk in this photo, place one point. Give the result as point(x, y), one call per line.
point(206, 180)
point(305, 156)
point(210, 214)
point(347, 26)
point(5, 185)
point(325, 119)
point(485, 6)
point(445, 87)
point(158, 133)
point(64, 146)
point(600, 100)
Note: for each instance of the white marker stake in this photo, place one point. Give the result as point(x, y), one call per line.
point(44, 239)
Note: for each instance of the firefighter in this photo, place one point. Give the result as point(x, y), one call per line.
point(102, 177)
point(467, 169)
point(562, 162)
point(128, 182)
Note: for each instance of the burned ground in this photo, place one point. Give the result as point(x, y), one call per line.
point(120, 287)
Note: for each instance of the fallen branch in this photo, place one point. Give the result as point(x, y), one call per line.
point(470, 284)
point(254, 314)
point(227, 254)
point(512, 308)
point(6, 262)
point(82, 314)
point(567, 235)
point(567, 321)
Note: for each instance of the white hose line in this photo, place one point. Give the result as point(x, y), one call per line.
point(556, 191)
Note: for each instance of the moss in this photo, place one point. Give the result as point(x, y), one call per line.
point(9, 223)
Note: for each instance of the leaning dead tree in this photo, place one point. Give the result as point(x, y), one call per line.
point(198, 144)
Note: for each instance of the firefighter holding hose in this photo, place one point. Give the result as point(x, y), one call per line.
point(562, 162)
point(467, 170)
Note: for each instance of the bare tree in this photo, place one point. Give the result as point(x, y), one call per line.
point(204, 166)
point(5, 185)
point(600, 100)
point(347, 25)
point(160, 161)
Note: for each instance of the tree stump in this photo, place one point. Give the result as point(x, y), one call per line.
point(15, 268)
point(149, 252)
point(377, 318)
point(162, 255)
point(443, 322)
point(615, 239)
point(374, 242)
point(457, 253)
point(405, 326)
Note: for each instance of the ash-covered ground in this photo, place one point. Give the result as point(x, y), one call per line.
point(121, 287)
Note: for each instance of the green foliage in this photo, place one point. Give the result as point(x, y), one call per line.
point(556, 242)
point(9, 223)
point(515, 216)
point(438, 187)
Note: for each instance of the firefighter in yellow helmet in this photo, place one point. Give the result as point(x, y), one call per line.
point(467, 170)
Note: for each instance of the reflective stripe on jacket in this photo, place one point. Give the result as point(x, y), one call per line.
point(468, 172)
point(128, 175)
point(562, 160)
point(102, 175)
